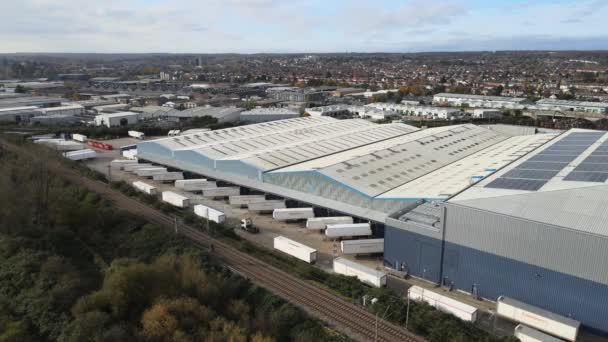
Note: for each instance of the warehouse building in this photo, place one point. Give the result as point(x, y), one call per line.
point(480, 101)
point(442, 113)
point(258, 115)
point(116, 119)
point(572, 106)
point(339, 110)
point(491, 212)
point(222, 114)
point(534, 230)
point(19, 114)
point(26, 101)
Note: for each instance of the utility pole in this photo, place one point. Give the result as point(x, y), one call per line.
point(109, 173)
point(175, 223)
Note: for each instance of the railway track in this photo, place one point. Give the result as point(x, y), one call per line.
point(346, 317)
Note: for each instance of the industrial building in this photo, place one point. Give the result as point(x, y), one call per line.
point(491, 212)
point(258, 115)
point(441, 113)
point(26, 101)
point(291, 94)
point(333, 111)
point(572, 106)
point(19, 114)
point(484, 113)
point(116, 119)
point(222, 114)
point(479, 101)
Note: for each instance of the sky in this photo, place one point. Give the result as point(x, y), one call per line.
point(276, 26)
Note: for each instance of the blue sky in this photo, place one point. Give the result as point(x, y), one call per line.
point(250, 26)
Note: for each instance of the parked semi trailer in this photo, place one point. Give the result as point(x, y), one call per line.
point(136, 134)
point(344, 230)
point(537, 318)
point(295, 249)
point(320, 223)
point(175, 199)
point(442, 303)
point(526, 334)
point(194, 184)
point(285, 214)
point(150, 171)
point(266, 206)
point(81, 154)
point(365, 274)
point(209, 213)
point(243, 200)
point(135, 166)
point(363, 246)
point(145, 187)
point(121, 163)
point(79, 137)
point(168, 176)
point(221, 191)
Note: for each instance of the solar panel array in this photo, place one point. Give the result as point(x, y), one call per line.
point(538, 170)
point(594, 168)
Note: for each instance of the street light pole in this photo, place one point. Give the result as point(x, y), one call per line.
point(376, 333)
point(407, 313)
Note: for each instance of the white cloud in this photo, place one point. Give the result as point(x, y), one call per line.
point(296, 25)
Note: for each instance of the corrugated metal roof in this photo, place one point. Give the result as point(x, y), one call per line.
point(584, 208)
point(384, 170)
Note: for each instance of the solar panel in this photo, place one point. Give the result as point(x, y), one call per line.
point(567, 148)
point(591, 167)
point(596, 159)
point(587, 177)
point(529, 165)
point(531, 174)
point(517, 184)
point(553, 158)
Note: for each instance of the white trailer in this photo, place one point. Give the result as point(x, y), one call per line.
point(209, 213)
point(266, 205)
point(295, 249)
point(363, 246)
point(175, 199)
point(534, 317)
point(442, 303)
point(121, 163)
point(222, 191)
point(285, 214)
point(130, 154)
point(133, 167)
point(150, 171)
point(79, 137)
point(136, 134)
point(343, 230)
point(145, 187)
point(242, 200)
point(168, 177)
point(526, 334)
point(194, 184)
point(81, 154)
point(322, 222)
point(365, 274)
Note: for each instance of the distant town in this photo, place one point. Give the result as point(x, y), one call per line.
point(545, 89)
point(304, 197)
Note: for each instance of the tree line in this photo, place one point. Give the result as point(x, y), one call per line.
point(75, 268)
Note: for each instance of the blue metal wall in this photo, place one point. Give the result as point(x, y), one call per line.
point(495, 276)
point(417, 254)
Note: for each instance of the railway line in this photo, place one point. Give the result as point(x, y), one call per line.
point(346, 317)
